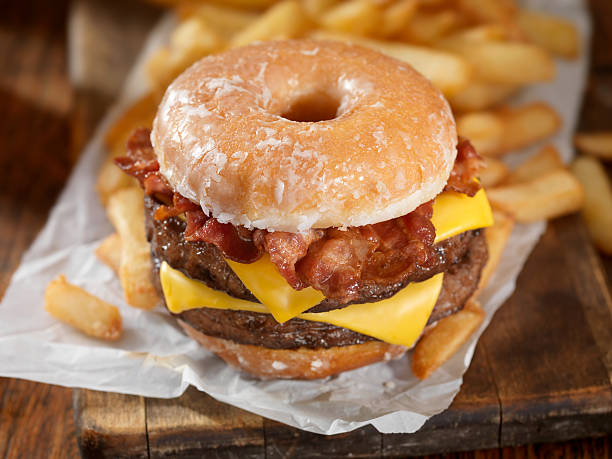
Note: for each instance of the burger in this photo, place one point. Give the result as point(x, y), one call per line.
point(309, 206)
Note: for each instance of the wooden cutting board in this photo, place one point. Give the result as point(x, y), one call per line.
point(542, 371)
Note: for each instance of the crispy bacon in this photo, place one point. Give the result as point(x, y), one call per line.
point(465, 170)
point(384, 253)
point(224, 236)
point(140, 162)
point(336, 262)
point(286, 249)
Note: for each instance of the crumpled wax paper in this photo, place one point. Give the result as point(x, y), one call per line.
point(154, 358)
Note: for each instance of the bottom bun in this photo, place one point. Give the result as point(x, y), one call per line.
point(296, 363)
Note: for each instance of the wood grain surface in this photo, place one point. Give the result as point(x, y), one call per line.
point(36, 420)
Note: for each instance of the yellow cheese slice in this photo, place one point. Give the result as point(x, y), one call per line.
point(182, 293)
point(455, 213)
point(396, 320)
point(270, 288)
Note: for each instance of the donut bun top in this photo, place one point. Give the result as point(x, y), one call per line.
point(300, 134)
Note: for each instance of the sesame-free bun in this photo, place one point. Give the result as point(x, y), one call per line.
point(300, 134)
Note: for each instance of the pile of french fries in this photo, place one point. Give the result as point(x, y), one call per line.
point(479, 53)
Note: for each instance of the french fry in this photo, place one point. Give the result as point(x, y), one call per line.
point(544, 161)
point(395, 17)
point(480, 96)
point(358, 17)
point(550, 195)
point(494, 172)
point(596, 144)
point(597, 209)
point(316, 8)
point(552, 33)
point(109, 252)
point(439, 343)
point(87, 313)
point(497, 236)
point(501, 11)
point(196, 35)
point(139, 114)
point(161, 69)
point(284, 20)
point(500, 131)
point(426, 28)
point(110, 179)
point(449, 72)
point(478, 33)
point(225, 20)
point(527, 124)
point(499, 61)
point(484, 129)
point(126, 212)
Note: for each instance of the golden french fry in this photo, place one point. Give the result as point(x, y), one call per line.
point(284, 20)
point(395, 17)
point(161, 69)
point(494, 172)
point(439, 343)
point(316, 8)
point(484, 129)
point(225, 20)
point(595, 143)
point(87, 313)
point(111, 179)
point(248, 4)
point(505, 62)
point(109, 252)
point(528, 124)
point(478, 33)
point(501, 11)
point(447, 71)
point(358, 17)
point(139, 114)
point(597, 209)
point(497, 236)
point(500, 131)
point(196, 35)
point(480, 96)
point(544, 161)
point(552, 33)
point(550, 195)
point(426, 28)
point(126, 211)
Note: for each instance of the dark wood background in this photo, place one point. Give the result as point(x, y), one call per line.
point(39, 134)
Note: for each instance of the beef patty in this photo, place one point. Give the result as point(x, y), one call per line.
point(461, 257)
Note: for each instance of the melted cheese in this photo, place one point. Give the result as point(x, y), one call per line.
point(396, 320)
point(270, 288)
point(455, 213)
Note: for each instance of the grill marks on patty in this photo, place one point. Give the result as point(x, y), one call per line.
point(461, 257)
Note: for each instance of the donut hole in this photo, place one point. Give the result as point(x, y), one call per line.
point(313, 107)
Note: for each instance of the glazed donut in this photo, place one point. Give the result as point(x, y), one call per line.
point(296, 363)
point(298, 134)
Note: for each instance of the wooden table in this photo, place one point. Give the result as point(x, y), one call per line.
point(36, 154)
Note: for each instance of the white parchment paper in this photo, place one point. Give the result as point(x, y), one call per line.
point(154, 358)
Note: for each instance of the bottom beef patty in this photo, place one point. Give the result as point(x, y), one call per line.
point(461, 258)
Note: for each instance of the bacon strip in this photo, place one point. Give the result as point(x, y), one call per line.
point(286, 249)
point(336, 262)
point(140, 162)
point(465, 169)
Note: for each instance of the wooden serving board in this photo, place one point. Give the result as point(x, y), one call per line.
point(541, 372)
